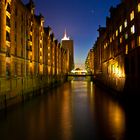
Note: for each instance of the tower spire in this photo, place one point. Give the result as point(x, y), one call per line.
point(65, 36)
point(65, 33)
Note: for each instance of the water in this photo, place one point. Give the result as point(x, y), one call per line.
point(78, 110)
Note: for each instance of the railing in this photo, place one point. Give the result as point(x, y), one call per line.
point(80, 77)
point(72, 74)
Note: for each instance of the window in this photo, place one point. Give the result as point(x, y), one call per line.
point(113, 37)
point(126, 49)
point(106, 45)
point(7, 70)
point(7, 36)
point(138, 7)
point(125, 23)
point(116, 32)
point(120, 28)
point(113, 68)
point(126, 35)
point(32, 11)
point(8, 52)
point(131, 15)
point(7, 21)
point(138, 40)
point(8, 8)
point(110, 39)
point(121, 39)
point(133, 29)
point(133, 44)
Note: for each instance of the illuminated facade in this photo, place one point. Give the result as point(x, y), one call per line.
point(117, 49)
point(30, 57)
point(89, 63)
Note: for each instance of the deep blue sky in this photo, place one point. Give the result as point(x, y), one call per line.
point(81, 18)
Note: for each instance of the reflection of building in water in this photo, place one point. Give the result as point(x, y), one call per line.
point(112, 115)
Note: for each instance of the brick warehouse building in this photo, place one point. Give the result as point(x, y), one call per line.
point(30, 56)
point(117, 49)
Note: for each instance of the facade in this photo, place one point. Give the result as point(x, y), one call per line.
point(67, 43)
point(89, 63)
point(30, 56)
point(117, 49)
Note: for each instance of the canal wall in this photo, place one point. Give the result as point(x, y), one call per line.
point(126, 96)
point(18, 90)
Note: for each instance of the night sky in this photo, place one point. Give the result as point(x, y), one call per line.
point(81, 19)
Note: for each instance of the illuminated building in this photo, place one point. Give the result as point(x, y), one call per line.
point(89, 64)
point(67, 43)
point(117, 49)
point(30, 57)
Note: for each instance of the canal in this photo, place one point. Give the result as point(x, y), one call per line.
point(77, 110)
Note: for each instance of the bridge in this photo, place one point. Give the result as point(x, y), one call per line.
point(79, 75)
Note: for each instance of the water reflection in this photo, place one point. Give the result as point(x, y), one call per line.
point(111, 116)
point(77, 110)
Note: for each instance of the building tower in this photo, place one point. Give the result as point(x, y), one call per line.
point(67, 44)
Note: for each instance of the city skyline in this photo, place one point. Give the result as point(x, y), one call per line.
point(80, 19)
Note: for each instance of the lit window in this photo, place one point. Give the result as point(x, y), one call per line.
point(113, 69)
point(126, 49)
point(121, 39)
point(120, 28)
point(125, 23)
point(32, 11)
point(105, 45)
point(116, 32)
point(113, 37)
point(126, 35)
point(138, 40)
point(132, 15)
point(133, 29)
point(139, 7)
point(133, 44)
point(110, 39)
